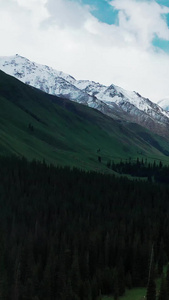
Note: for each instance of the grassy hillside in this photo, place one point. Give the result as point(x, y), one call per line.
point(137, 293)
point(41, 126)
point(133, 294)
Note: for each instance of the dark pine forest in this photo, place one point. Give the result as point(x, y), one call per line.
point(73, 235)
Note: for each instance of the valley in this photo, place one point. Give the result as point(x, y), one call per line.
point(84, 150)
point(74, 224)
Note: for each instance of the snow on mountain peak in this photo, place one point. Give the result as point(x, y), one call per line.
point(23, 68)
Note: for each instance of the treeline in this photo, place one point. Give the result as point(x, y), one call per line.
point(68, 234)
point(141, 168)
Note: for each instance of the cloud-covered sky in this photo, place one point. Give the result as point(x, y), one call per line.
point(124, 42)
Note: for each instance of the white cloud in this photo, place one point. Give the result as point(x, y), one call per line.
point(65, 35)
point(36, 9)
point(66, 13)
point(142, 20)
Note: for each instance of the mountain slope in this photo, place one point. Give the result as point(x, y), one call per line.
point(112, 101)
point(41, 126)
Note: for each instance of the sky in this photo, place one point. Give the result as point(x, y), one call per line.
point(121, 42)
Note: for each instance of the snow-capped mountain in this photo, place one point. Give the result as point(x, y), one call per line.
point(110, 100)
point(164, 103)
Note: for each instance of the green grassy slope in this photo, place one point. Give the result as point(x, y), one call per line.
point(133, 294)
point(41, 126)
point(137, 293)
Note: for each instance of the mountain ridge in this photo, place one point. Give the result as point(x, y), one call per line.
point(41, 126)
point(110, 100)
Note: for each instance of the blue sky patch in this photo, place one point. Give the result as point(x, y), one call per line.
point(104, 12)
point(162, 44)
point(163, 2)
point(159, 43)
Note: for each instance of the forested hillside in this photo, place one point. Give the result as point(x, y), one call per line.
point(66, 234)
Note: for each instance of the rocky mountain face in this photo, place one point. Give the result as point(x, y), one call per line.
point(110, 100)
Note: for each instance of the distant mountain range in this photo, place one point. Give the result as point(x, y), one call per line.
point(110, 100)
point(40, 126)
point(164, 103)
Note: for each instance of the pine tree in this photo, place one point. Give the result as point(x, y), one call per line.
point(163, 291)
point(121, 279)
point(128, 280)
point(151, 288)
point(167, 282)
point(75, 275)
point(116, 285)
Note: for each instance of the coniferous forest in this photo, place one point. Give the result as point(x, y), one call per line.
point(155, 171)
point(72, 235)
